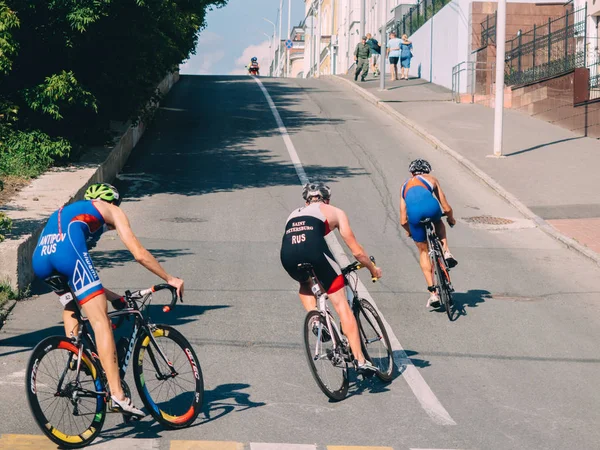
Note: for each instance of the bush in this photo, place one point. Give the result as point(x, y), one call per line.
point(5, 225)
point(29, 154)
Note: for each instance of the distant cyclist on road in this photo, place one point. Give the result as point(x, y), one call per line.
point(63, 250)
point(253, 67)
point(417, 202)
point(304, 242)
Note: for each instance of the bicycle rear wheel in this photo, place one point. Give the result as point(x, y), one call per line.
point(173, 398)
point(374, 340)
point(442, 278)
point(69, 411)
point(327, 364)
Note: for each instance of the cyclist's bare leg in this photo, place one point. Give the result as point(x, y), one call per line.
point(349, 325)
point(69, 320)
point(425, 262)
point(97, 312)
point(440, 230)
point(306, 296)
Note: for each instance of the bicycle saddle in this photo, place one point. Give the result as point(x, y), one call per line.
point(58, 283)
point(305, 266)
point(425, 221)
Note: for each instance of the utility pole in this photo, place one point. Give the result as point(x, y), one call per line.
point(383, 44)
point(500, 57)
point(318, 52)
point(279, 40)
point(363, 8)
point(331, 56)
point(289, 36)
point(273, 60)
point(270, 45)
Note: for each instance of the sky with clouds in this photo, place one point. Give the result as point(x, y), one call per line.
point(235, 34)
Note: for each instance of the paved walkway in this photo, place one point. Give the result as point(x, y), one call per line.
point(549, 169)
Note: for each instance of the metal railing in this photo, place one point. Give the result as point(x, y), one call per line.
point(477, 82)
point(547, 50)
point(416, 16)
point(594, 83)
point(488, 29)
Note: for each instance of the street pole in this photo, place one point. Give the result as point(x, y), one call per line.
point(318, 52)
point(363, 8)
point(289, 36)
point(382, 54)
point(500, 57)
point(279, 40)
point(273, 59)
point(270, 45)
point(331, 58)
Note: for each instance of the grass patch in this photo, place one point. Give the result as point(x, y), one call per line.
point(7, 293)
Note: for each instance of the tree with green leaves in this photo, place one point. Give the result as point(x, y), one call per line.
point(68, 67)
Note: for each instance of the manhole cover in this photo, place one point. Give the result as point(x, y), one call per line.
point(488, 220)
point(183, 220)
point(515, 298)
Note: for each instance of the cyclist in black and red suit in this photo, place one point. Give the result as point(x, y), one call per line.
point(304, 242)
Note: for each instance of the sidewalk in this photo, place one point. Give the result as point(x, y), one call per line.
point(549, 169)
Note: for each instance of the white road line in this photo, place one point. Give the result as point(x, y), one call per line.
point(286, 137)
point(415, 380)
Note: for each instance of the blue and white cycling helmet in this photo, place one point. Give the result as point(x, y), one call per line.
point(254, 59)
point(419, 166)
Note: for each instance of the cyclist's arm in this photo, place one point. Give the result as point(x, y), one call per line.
point(357, 250)
point(443, 201)
point(404, 215)
point(117, 218)
point(111, 295)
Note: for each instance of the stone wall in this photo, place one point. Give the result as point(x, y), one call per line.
point(552, 100)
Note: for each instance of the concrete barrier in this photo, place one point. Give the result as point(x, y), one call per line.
point(30, 209)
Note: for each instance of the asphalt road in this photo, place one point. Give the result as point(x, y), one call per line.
point(208, 190)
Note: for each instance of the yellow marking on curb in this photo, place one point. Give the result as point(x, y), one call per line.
point(206, 445)
point(25, 442)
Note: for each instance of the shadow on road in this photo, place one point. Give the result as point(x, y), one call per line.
point(209, 137)
point(471, 299)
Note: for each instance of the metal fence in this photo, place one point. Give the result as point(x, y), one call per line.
point(488, 30)
point(547, 50)
point(471, 79)
point(416, 16)
point(594, 68)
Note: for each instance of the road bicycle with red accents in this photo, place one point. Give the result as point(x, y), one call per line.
point(67, 388)
point(327, 349)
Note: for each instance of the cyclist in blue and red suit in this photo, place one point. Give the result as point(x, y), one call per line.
point(62, 249)
point(418, 202)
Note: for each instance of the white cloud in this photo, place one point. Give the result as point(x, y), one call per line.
point(261, 51)
point(203, 63)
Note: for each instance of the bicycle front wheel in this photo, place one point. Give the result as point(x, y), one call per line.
point(168, 377)
point(68, 407)
point(374, 340)
point(326, 363)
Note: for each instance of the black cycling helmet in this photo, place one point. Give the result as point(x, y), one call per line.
point(317, 189)
point(103, 191)
point(419, 166)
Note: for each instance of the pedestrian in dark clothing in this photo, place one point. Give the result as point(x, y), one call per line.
point(362, 53)
point(375, 52)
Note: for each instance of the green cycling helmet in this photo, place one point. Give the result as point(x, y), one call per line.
point(103, 191)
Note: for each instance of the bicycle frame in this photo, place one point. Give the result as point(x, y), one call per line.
point(436, 254)
point(84, 341)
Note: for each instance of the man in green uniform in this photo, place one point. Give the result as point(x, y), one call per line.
point(362, 53)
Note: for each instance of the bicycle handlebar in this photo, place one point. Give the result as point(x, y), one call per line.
point(156, 288)
point(357, 266)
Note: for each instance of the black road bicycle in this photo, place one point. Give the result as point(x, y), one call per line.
point(67, 388)
point(439, 268)
point(328, 350)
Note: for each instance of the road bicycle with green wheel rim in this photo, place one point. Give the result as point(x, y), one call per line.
point(67, 388)
point(439, 269)
point(328, 350)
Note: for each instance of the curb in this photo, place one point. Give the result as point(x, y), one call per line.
point(5, 311)
point(436, 143)
point(56, 188)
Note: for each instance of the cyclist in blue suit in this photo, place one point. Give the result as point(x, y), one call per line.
point(62, 249)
